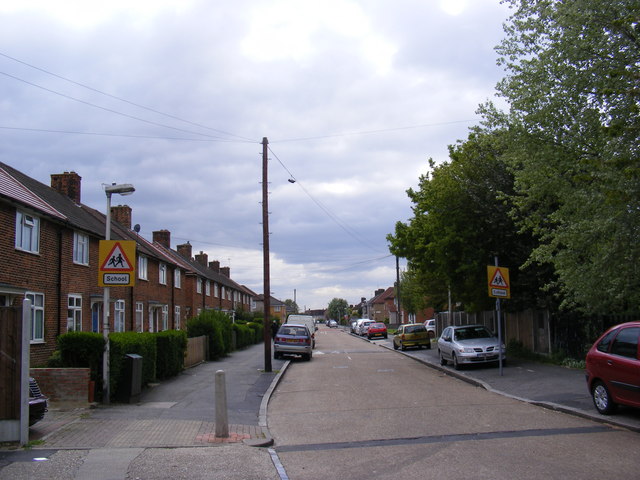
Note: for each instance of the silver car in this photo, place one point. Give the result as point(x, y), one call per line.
point(469, 344)
point(293, 339)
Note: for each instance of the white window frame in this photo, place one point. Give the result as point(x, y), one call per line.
point(177, 278)
point(37, 316)
point(119, 316)
point(162, 273)
point(222, 290)
point(139, 317)
point(143, 263)
point(165, 317)
point(216, 292)
point(80, 248)
point(176, 317)
point(27, 232)
point(207, 288)
point(199, 285)
point(74, 313)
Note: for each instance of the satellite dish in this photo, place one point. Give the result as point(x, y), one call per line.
point(136, 228)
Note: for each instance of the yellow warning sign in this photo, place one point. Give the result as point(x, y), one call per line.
point(117, 263)
point(498, 278)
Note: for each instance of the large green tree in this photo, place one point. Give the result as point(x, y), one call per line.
point(573, 89)
point(461, 222)
point(338, 308)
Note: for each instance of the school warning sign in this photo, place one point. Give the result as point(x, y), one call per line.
point(117, 263)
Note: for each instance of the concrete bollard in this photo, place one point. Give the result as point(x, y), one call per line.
point(222, 418)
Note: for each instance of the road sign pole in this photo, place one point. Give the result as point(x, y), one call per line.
point(499, 327)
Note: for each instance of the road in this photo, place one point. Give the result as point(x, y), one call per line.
point(360, 411)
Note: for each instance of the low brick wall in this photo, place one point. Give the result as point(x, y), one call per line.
point(63, 385)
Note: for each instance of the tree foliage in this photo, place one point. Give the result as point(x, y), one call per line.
point(338, 308)
point(573, 86)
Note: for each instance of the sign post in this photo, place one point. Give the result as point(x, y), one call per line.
point(499, 287)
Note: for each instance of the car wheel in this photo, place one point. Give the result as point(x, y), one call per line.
point(395, 347)
point(402, 347)
point(442, 360)
point(602, 398)
point(276, 355)
point(456, 365)
point(428, 345)
point(385, 336)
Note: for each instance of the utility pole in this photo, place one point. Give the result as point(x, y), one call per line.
point(265, 256)
point(398, 290)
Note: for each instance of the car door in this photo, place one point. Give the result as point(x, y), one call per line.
point(623, 366)
point(444, 343)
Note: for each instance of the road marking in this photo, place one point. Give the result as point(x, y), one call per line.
point(461, 437)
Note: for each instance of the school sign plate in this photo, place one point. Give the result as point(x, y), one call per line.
point(117, 263)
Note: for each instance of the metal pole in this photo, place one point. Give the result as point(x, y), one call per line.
point(106, 391)
point(499, 326)
point(265, 257)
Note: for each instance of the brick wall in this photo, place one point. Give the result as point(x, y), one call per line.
point(64, 385)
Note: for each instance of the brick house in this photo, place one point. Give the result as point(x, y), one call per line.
point(49, 254)
point(382, 308)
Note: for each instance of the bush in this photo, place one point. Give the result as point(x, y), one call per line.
point(80, 350)
point(217, 327)
point(171, 346)
point(123, 343)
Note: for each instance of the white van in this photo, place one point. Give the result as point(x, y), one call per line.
point(305, 320)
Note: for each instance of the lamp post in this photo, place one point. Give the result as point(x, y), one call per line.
point(121, 189)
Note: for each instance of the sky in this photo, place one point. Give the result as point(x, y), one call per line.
point(175, 97)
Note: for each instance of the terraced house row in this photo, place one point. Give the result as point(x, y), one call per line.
point(49, 254)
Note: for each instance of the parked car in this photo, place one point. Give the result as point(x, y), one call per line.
point(293, 339)
point(305, 320)
point(469, 344)
point(613, 368)
point(37, 402)
point(430, 325)
point(352, 325)
point(359, 323)
point(377, 329)
point(364, 327)
point(411, 335)
point(332, 324)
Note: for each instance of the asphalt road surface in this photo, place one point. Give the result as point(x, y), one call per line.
point(360, 411)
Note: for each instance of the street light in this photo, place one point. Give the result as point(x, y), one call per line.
point(121, 189)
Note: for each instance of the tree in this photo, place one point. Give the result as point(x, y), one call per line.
point(338, 308)
point(573, 86)
point(291, 306)
point(461, 222)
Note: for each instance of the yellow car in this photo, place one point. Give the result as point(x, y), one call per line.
point(411, 335)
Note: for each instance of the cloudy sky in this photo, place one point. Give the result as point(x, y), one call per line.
point(175, 96)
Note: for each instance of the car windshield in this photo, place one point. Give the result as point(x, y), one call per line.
point(472, 332)
point(294, 331)
point(415, 329)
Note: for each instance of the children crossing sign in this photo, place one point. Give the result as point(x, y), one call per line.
point(116, 261)
point(498, 278)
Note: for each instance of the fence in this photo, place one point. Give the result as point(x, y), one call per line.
point(196, 351)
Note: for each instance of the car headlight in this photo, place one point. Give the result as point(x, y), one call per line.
point(466, 350)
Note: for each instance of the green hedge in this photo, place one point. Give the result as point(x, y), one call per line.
point(171, 346)
point(80, 350)
point(218, 327)
point(122, 343)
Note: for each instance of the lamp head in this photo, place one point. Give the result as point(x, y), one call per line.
point(122, 189)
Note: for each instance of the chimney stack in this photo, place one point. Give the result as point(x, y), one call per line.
point(67, 183)
point(202, 258)
point(185, 250)
point(215, 266)
point(163, 237)
point(122, 215)
point(226, 271)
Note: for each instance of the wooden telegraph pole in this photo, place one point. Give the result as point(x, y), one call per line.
point(265, 257)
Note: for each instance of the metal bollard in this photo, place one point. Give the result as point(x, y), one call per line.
point(222, 418)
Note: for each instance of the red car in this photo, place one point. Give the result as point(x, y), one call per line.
point(613, 368)
point(377, 330)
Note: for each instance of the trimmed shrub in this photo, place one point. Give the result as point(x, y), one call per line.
point(80, 350)
point(217, 327)
point(122, 343)
point(171, 346)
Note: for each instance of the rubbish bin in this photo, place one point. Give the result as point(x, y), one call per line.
point(131, 379)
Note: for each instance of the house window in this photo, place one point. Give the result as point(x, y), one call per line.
point(216, 293)
point(162, 276)
point(27, 232)
point(74, 313)
point(142, 267)
point(80, 248)
point(165, 317)
point(119, 316)
point(176, 314)
point(37, 316)
point(222, 292)
point(177, 278)
point(139, 317)
point(207, 288)
point(199, 285)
